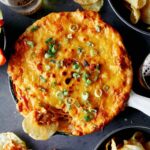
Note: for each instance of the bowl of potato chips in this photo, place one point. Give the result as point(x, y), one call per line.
point(94, 5)
point(126, 138)
point(134, 13)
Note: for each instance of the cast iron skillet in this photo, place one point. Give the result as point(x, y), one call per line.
point(124, 15)
point(122, 134)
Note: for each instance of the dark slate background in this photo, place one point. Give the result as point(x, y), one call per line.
point(138, 46)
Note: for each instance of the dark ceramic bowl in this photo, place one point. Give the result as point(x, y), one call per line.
point(124, 15)
point(3, 40)
point(122, 134)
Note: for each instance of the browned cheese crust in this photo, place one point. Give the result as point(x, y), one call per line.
point(75, 67)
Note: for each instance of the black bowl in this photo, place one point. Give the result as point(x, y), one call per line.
point(122, 134)
point(3, 40)
point(124, 15)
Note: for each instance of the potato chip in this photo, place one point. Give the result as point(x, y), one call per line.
point(85, 2)
point(94, 7)
point(8, 139)
point(138, 4)
point(36, 131)
point(135, 15)
point(145, 13)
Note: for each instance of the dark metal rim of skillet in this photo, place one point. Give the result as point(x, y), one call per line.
point(3, 40)
point(16, 101)
point(124, 15)
point(123, 133)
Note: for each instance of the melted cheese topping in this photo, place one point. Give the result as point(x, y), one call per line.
point(75, 63)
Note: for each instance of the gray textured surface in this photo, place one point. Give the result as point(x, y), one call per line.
point(138, 47)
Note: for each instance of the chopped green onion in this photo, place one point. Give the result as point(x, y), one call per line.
point(90, 44)
point(85, 96)
point(47, 67)
point(92, 52)
point(93, 111)
point(47, 55)
point(68, 106)
point(98, 93)
point(59, 64)
point(85, 76)
point(51, 52)
point(73, 27)
point(34, 28)
point(53, 61)
point(88, 81)
point(60, 95)
point(42, 78)
point(69, 36)
point(30, 43)
point(49, 40)
point(87, 118)
point(98, 28)
point(52, 48)
point(88, 115)
point(76, 66)
point(76, 75)
point(79, 50)
point(65, 92)
point(42, 89)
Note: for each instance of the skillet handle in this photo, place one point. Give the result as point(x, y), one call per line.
point(139, 102)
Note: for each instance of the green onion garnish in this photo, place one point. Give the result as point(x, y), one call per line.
point(79, 50)
point(90, 44)
point(51, 51)
point(85, 76)
point(30, 43)
point(92, 52)
point(88, 115)
point(49, 40)
point(85, 96)
point(42, 89)
point(60, 95)
point(34, 28)
point(88, 81)
point(53, 61)
point(76, 66)
point(76, 75)
point(47, 55)
point(65, 92)
point(98, 28)
point(47, 67)
point(42, 78)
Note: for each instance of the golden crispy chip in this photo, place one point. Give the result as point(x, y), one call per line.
point(145, 13)
point(138, 4)
point(94, 7)
point(36, 131)
point(85, 2)
point(9, 140)
point(135, 15)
